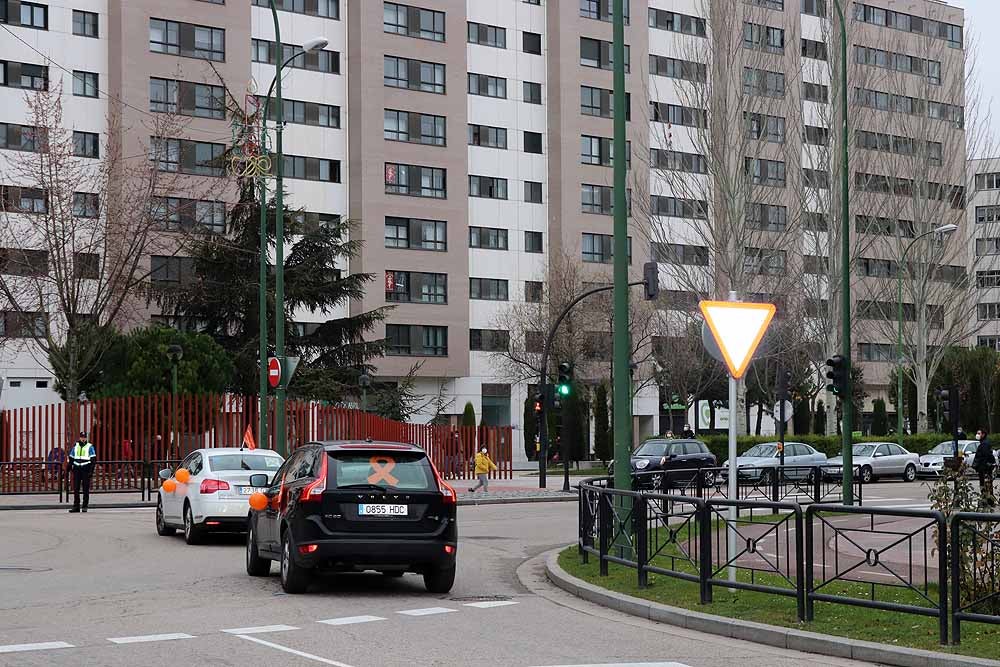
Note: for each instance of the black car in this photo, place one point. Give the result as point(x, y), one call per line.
point(662, 454)
point(354, 506)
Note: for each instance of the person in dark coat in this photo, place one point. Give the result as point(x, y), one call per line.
point(983, 463)
point(688, 433)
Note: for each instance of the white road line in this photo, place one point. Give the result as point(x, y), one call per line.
point(629, 664)
point(429, 611)
point(900, 507)
point(140, 639)
point(489, 603)
point(351, 620)
point(301, 654)
point(42, 646)
point(259, 629)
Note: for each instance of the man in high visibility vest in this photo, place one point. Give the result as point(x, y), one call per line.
point(82, 460)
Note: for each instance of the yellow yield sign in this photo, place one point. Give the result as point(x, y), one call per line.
point(737, 327)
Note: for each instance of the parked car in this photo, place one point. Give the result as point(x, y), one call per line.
point(354, 506)
point(215, 496)
point(932, 463)
point(661, 454)
point(760, 462)
point(878, 459)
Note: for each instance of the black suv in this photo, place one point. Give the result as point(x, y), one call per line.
point(662, 454)
point(353, 506)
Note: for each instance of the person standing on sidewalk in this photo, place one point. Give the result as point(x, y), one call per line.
point(484, 464)
point(82, 461)
point(983, 463)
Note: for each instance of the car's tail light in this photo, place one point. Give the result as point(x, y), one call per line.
point(314, 490)
point(308, 549)
point(448, 495)
point(213, 485)
point(449, 548)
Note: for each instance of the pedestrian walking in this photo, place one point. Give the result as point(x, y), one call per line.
point(961, 433)
point(484, 464)
point(983, 463)
point(82, 461)
point(55, 462)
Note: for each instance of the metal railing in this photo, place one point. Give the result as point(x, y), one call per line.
point(888, 559)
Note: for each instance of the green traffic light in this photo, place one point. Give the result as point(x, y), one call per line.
point(564, 390)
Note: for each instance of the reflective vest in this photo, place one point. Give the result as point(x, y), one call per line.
point(81, 454)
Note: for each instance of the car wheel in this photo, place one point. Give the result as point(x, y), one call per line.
point(294, 578)
point(162, 528)
point(867, 475)
point(910, 473)
point(256, 566)
point(439, 580)
point(192, 533)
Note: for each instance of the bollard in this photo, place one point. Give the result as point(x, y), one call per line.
point(639, 510)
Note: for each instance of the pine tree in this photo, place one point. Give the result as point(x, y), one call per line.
point(880, 420)
point(602, 427)
point(530, 428)
point(819, 419)
point(469, 415)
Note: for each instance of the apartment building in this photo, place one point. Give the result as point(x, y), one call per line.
point(984, 249)
point(494, 153)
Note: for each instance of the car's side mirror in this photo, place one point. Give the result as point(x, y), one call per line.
point(879, 455)
point(672, 457)
point(259, 480)
point(165, 474)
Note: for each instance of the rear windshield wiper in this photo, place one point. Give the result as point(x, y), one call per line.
point(374, 487)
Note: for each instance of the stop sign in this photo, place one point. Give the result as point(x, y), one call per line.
point(273, 371)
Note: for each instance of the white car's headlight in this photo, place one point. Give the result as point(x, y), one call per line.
point(642, 465)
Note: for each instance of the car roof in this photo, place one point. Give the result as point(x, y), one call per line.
point(348, 445)
point(236, 450)
point(672, 440)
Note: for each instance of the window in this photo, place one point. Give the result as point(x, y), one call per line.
point(412, 21)
point(488, 86)
point(174, 269)
point(988, 279)
point(188, 99)
point(24, 262)
point(763, 38)
point(84, 84)
point(533, 142)
point(987, 246)
point(177, 213)
point(263, 51)
point(678, 69)
point(533, 291)
point(532, 93)
point(487, 35)
point(817, 136)
point(325, 8)
point(531, 42)
point(533, 242)
point(416, 287)
point(186, 39)
point(414, 127)
point(488, 289)
point(677, 207)
point(84, 23)
point(767, 217)
point(599, 151)
point(601, 10)
point(674, 22)
point(23, 200)
point(763, 83)
point(599, 199)
point(18, 324)
point(34, 77)
point(988, 311)
point(814, 222)
point(813, 49)
point(988, 214)
point(815, 92)
point(676, 114)
point(199, 158)
point(864, 224)
point(988, 181)
point(532, 192)
point(764, 261)
point(416, 234)
point(765, 172)
point(488, 238)
point(85, 205)
point(436, 341)
point(599, 248)
point(988, 341)
point(22, 138)
point(765, 128)
point(163, 95)
point(415, 180)
point(311, 168)
point(34, 16)
point(601, 102)
point(598, 53)
point(692, 163)
point(816, 178)
point(778, 5)
point(304, 113)
point(398, 339)
point(488, 187)
point(488, 340)
point(909, 23)
point(677, 253)
point(487, 137)
point(814, 7)
point(899, 62)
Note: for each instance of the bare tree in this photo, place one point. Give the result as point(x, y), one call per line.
point(685, 367)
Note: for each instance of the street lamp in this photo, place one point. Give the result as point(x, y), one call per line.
point(943, 229)
point(309, 46)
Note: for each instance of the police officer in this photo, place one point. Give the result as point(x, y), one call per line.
point(82, 460)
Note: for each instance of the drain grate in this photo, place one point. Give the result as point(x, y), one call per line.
point(481, 598)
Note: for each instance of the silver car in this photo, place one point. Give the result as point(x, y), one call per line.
point(879, 459)
point(932, 463)
point(760, 461)
point(216, 497)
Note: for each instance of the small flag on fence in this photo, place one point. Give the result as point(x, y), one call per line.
point(248, 440)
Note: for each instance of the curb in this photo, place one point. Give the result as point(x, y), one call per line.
point(759, 633)
point(66, 506)
point(570, 497)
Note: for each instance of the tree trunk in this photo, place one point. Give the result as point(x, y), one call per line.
point(740, 411)
point(831, 413)
point(760, 417)
point(922, 390)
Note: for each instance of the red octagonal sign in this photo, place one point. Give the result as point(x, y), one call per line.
point(273, 372)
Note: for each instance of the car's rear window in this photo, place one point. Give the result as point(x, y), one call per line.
point(652, 448)
point(406, 471)
point(221, 462)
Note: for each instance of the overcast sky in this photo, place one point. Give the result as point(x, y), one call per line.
point(982, 21)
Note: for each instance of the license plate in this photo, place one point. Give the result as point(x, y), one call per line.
point(249, 490)
point(381, 510)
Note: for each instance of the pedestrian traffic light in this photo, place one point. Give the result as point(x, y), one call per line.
point(950, 403)
point(564, 386)
point(539, 400)
point(784, 379)
point(837, 375)
point(651, 280)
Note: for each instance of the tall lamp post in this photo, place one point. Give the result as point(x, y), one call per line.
point(314, 44)
point(943, 229)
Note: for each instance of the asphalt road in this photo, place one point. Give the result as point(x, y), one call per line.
point(103, 589)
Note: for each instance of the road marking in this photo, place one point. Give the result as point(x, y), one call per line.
point(429, 611)
point(260, 629)
point(900, 507)
point(629, 664)
point(42, 646)
point(149, 638)
point(301, 654)
point(351, 620)
point(490, 603)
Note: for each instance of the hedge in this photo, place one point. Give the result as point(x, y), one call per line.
point(830, 445)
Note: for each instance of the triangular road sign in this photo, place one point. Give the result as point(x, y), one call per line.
point(737, 327)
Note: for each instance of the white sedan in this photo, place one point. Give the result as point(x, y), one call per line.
point(216, 497)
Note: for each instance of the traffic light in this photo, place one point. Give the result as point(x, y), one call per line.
point(837, 374)
point(950, 404)
point(784, 379)
point(564, 387)
point(651, 280)
point(539, 401)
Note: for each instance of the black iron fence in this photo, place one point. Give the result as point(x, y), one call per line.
point(888, 559)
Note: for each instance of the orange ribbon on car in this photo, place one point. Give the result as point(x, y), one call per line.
point(382, 467)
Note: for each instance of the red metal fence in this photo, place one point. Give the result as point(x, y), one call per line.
point(161, 427)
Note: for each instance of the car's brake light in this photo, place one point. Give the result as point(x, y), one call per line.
point(213, 485)
point(314, 490)
point(448, 494)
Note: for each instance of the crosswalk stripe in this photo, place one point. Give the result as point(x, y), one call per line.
point(41, 646)
point(260, 629)
point(429, 611)
point(141, 639)
point(487, 604)
point(351, 620)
